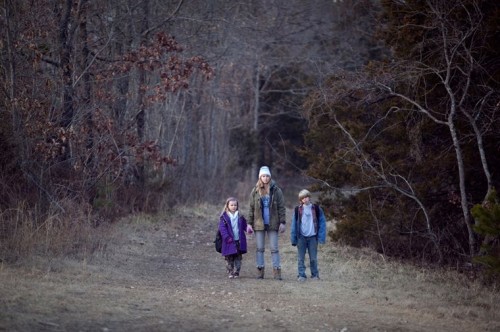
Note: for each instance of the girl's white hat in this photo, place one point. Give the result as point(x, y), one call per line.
point(264, 170)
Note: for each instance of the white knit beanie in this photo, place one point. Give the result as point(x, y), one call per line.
point(264, 170)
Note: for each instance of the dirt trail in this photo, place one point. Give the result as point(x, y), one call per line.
point(166, 276)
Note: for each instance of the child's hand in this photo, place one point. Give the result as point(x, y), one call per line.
point(249, 229)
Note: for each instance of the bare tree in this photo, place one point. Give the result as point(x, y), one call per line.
point(456, 69)
point(444, 81)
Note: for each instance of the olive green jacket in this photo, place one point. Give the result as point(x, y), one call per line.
point(277, 210)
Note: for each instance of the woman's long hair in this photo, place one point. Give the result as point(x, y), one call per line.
point(262, 188)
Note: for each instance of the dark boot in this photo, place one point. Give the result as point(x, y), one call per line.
point(260, 273)
point(277, 273)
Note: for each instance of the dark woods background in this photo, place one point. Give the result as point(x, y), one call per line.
point(387, 109)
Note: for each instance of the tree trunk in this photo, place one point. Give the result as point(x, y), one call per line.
point(87, 93)
point(17, 127)
point(65, 41)
point(141, 114)
point(463, 193)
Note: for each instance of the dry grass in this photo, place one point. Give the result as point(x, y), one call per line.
point(425, 289)
point(162, 268)
point(72, 233)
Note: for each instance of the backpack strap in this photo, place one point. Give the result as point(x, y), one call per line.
point(316, 209)
point(224, 219)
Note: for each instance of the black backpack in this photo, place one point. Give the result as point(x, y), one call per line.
point(218, 241)
point(218, 238)
point(316, 210)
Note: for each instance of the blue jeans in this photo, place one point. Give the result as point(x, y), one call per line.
point(273, 244)
point(309, 244)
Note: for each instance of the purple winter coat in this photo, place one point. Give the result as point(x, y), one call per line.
point(227, 233)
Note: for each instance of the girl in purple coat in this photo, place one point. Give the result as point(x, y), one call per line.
point(232, 227)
